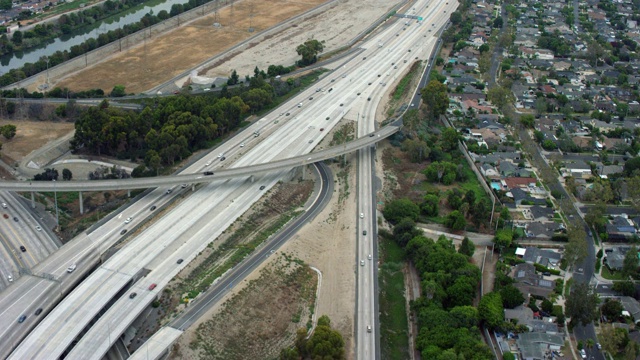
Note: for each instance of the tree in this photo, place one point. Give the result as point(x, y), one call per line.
point(582, 304)
point(436, 99)
point(325, 343)
point(625, 288)
point(309, 51)
point(576, 249)
point(399, 209)
point(498, 22)
point(467, 247)
point(511, 297)
point(8, 131)
point(612, 309)
point(456, 17)
point(455, 221)
point(484, 48)
point(630, 262)
point(66, 174)
point(500, 96)
point(431, 204)
point(547, 306)
point(450, 139)
point(5, 4)
point(490, 310)
point(118, 91)
point(527, 121)
point(503, 238)
point(17, 37)
point(508, 356)
point(234, 78)
point(611, 339)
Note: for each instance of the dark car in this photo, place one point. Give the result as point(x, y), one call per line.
point(124, 231)
point(15, 219)
point(152, 208)
point(132, 295)
point(179, 261)
point(39, 311)
point(222, 158)
point(22, 318)
point(364, 232)
point(287, 114)
point(262, 187)
point(6, 216)
point(22, 248)
point(208, 172)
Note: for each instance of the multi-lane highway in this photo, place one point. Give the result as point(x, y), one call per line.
point(189, 226)
point(24, 241)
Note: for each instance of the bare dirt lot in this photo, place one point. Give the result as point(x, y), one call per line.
point(30, 136)
point(281, 297)
point(166, 56)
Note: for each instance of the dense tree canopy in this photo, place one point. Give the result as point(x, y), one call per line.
point(436, 99)
point(398, 209)
point(173, 128)
point(309, 51)
point(491, 311)
point(582, 304)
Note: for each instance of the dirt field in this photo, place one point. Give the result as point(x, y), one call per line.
point(281, 299)
point(30, 136)
point(347, 19)
point(168, 55)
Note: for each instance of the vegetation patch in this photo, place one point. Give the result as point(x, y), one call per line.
point(245, 238)
point(393, 313)
point(282, 295)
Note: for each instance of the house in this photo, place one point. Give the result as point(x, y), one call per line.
point(534, 345)
point(606, 170)
point(530, 283)
point(577, 169)
point(542, 230)
point(632, 306)
point(539, 213)
point(506, 168)
point(521, 314)
point(614, 257)
point(545, 326)
point(620, 228)
point(521, 182)
point(489, 171)
point(544, 257)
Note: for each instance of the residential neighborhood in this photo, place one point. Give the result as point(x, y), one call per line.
point(562, 76)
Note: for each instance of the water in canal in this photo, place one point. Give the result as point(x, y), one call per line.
point(18, 59)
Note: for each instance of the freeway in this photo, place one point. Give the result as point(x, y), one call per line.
point(24, 242)
point(186, 228)
point(105, 332)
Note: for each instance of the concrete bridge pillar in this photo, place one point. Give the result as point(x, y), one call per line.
point(129, 193)
point(304, 172)
point(80, 202)
point(33, 200)
point(193, 187)
point(252, 179)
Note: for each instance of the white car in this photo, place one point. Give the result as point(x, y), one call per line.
point(128, 220)
point(242, 145)
point(4, 205)
point(361, 262)
point(208, 163)
point(370, 257)
point(361, 215)
point(10, 278)
point(583, 354)
point(71, 268)
point(38, 228)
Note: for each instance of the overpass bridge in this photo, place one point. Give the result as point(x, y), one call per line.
point(172, 180)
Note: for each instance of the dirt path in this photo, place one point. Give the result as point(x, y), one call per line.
point(412, 289)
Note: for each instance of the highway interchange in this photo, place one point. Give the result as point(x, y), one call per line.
point(353, 91)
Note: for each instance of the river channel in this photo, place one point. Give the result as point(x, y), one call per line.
point(18, 59)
